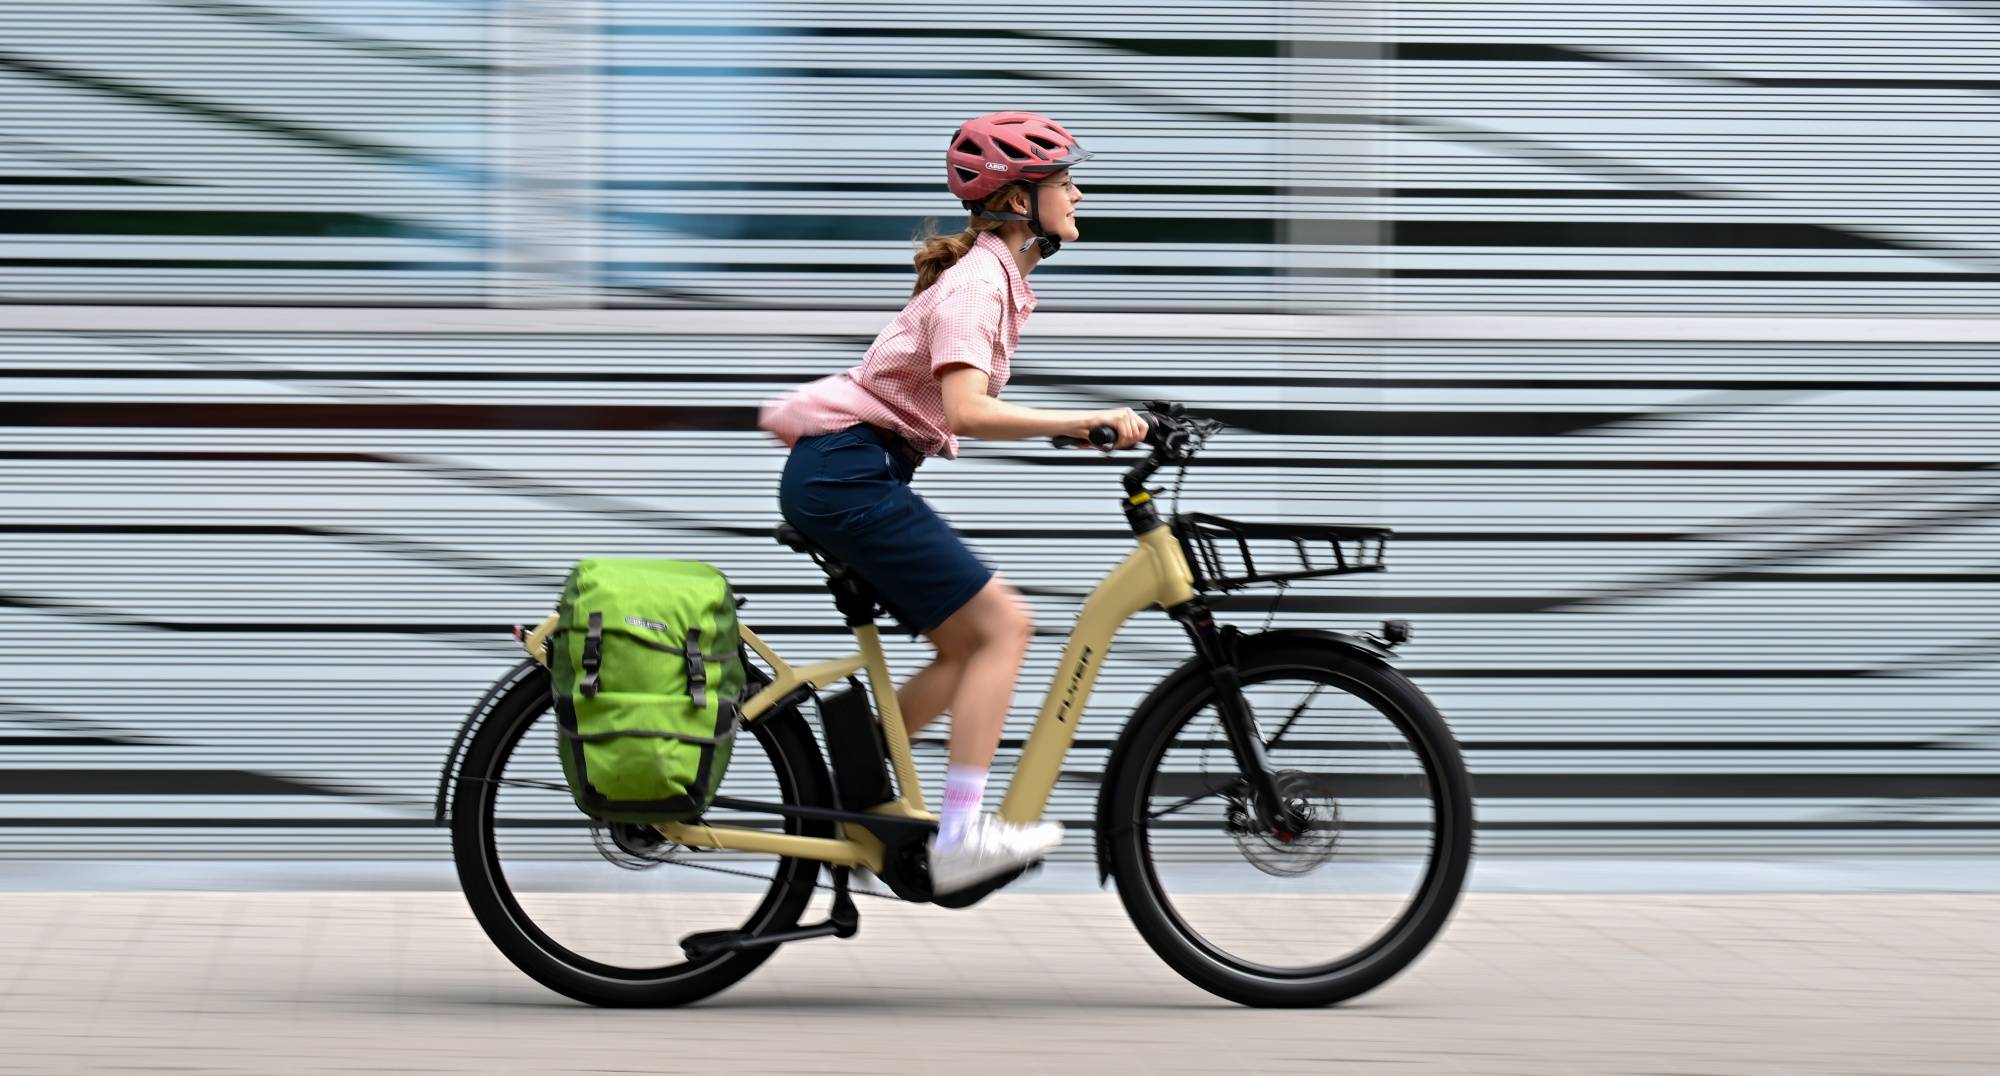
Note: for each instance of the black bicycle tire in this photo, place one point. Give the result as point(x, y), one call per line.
point(1154, 726)
point(802, 779)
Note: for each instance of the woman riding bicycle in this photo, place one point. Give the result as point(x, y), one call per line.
point(932, 376)
point(1300, 859)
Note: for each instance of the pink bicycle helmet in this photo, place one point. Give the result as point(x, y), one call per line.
point(999, 148)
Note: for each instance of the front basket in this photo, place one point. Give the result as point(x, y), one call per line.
point(1227, 555)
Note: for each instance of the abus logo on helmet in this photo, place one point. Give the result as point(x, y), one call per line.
point(997, 166)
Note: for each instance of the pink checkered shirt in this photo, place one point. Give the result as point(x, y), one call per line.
point(971, 315)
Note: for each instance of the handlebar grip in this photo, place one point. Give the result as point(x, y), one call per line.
point(1100, 437)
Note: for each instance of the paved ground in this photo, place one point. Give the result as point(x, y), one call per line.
point(403, 981)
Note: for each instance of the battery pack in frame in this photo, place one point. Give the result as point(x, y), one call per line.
point(856, 748)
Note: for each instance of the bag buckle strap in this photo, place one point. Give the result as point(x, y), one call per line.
point(697, 672)
point(593, 655)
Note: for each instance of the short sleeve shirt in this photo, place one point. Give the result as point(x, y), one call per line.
point(971, 316)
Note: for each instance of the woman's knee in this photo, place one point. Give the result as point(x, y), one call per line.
point(996, 616)
point(1021, 618)
point(1006, 616)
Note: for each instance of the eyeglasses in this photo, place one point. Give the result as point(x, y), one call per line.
point(1065, 184)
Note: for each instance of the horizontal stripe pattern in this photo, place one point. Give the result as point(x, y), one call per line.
point(1639, 158)
point(1742, 607)
point(1679, 591)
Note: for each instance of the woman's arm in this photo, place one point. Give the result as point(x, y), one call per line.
point(973, 413)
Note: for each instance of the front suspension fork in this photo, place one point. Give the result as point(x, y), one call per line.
point(1216, 645)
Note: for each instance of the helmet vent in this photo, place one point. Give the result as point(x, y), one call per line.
point(1011, 150)
point(1042, 142)
point(968, 146)
point(965, 175)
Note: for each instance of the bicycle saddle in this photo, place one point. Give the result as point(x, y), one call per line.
point(789, 535)
point(855, 600)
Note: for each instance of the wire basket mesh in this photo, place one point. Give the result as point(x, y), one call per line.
point(1229, 555)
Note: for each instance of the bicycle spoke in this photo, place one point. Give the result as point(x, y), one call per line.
point(1296, 711)
point(522, 782)
point(1192, 800)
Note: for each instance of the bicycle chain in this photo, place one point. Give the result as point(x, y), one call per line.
point(770, 878)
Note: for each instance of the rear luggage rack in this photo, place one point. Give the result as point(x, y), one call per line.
point(1224, 553)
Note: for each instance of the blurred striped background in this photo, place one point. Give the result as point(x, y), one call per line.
point(330, 333)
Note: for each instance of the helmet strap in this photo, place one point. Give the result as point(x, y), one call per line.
point(1048, 244)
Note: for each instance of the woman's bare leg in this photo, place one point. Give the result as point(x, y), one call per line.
point(986, 640)
point(929, 693)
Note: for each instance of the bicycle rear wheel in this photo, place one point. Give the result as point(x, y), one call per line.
point(1291, 919)
point(596, 911)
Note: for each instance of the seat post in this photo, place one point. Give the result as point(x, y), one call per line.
point(853, 600)
point(850, 595)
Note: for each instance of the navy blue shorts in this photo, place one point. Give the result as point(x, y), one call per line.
point(849, 492)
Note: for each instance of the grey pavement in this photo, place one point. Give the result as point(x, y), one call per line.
point(1050, 980)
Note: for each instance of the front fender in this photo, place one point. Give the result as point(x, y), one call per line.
point(518, 677)
point(1195, 670)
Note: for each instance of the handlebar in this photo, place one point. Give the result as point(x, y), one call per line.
point(1173, 435)
point(1170, 430)
point(1175, 439)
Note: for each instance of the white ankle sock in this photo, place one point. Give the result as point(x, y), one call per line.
point(964, 787)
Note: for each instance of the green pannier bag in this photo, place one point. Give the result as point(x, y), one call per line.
point(648, 669)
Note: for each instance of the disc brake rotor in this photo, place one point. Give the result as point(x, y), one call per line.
point(1281, 853)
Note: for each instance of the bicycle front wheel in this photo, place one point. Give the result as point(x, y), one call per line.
point(1273, 918)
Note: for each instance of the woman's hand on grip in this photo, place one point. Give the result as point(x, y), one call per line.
point(1130, 427)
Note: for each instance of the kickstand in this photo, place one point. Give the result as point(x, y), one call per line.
point(844, 918)
point(842, 922)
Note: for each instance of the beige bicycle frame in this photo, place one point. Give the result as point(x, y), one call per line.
point(1155, 573)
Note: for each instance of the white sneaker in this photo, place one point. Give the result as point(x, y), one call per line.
point(991, 847)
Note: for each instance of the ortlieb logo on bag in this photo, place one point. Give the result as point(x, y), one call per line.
point(647, 670)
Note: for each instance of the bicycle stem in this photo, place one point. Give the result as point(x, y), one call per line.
point(1137, 477)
